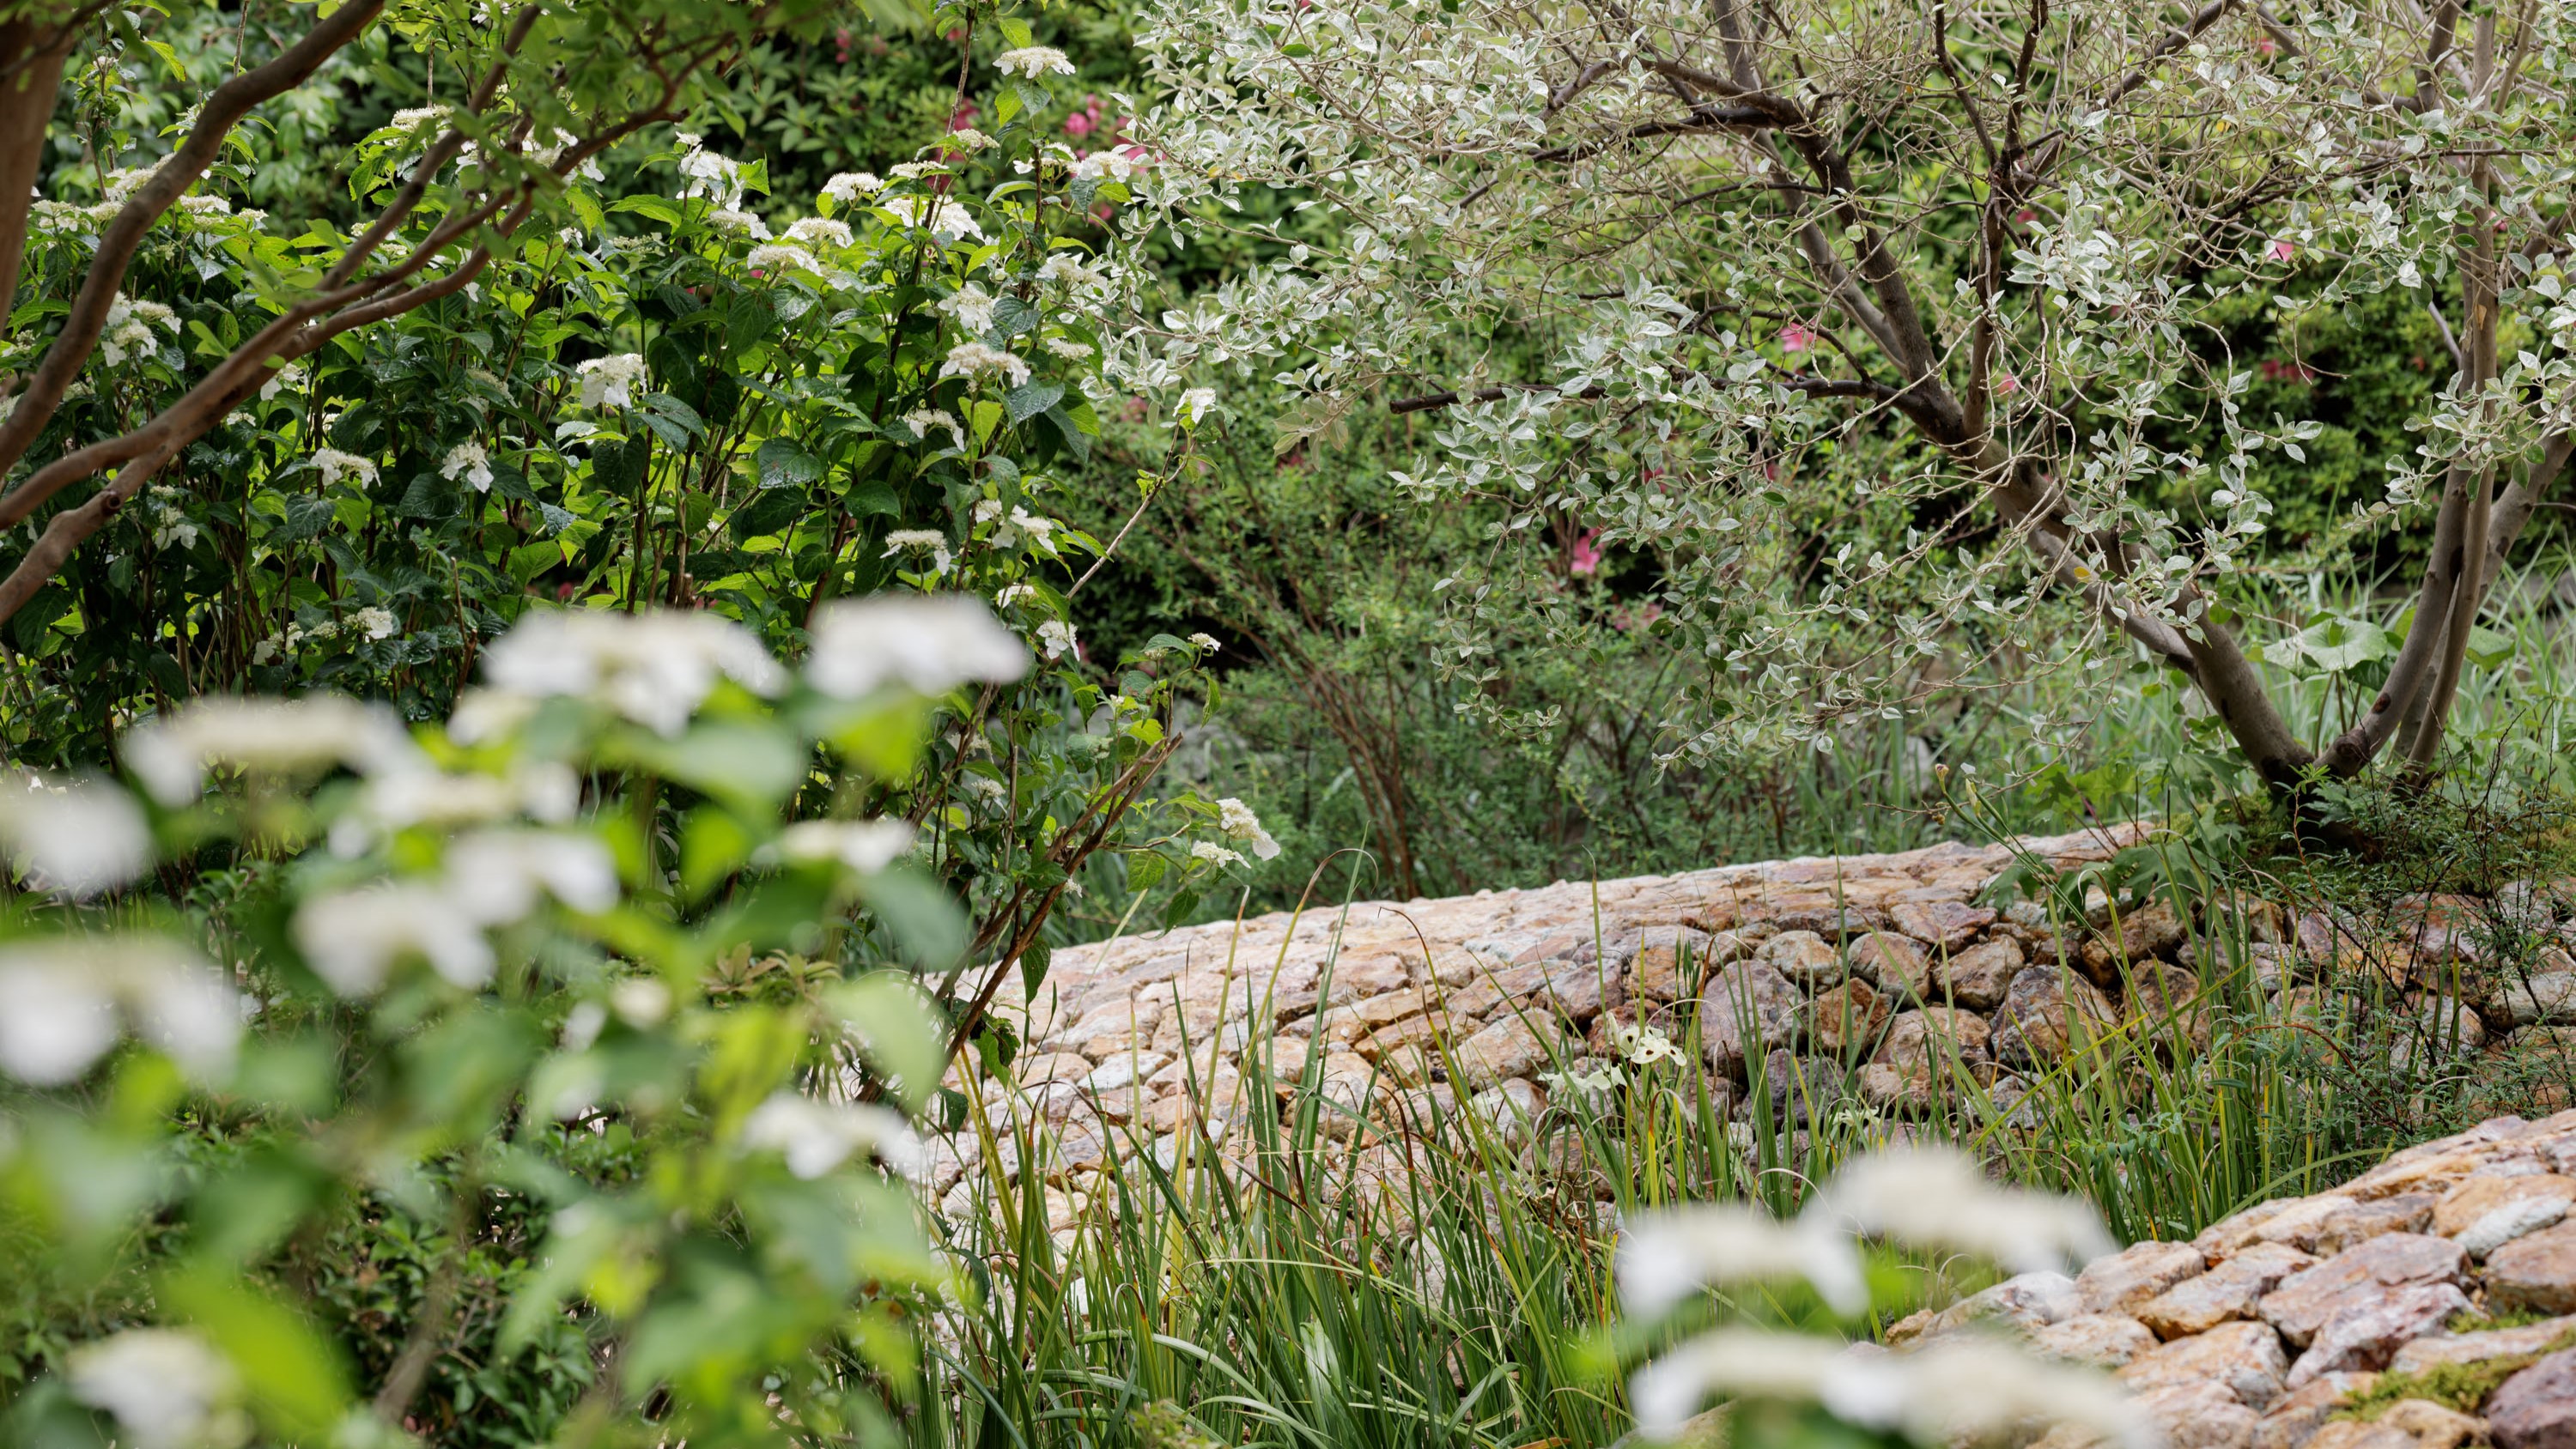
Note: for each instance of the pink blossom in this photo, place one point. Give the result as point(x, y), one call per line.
point(2025, 216)
point(1077, 124)
point(1797, 337)
point(2266, 45)
point(2007, 383)
point(1626, 620)
point(1583, 560)
point(2283, 250)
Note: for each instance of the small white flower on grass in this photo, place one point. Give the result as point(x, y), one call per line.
point(929, 644)
point(1665, 1257)
point(820, 231)
point(978, 363)
point(1055, 638)
point(1195, 405)
point(1239, 823)
point(1033, 61)
point(1214, 854)
point(654, 668)
point(469, 462)
point(610, 381)
point(972, 307)
point(170, 754)
point(1645, 1045)
point(866, 846)
point(78, 839)
point(919, 540)
point(1931, 1197)
point(847, 187)
point(780, 257)
point(166, 1389)
point(816, 1137)
point(61, 999)
point(353, 938)
point(335, 465)
point(922, 420)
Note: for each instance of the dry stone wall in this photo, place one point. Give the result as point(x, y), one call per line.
point(1815, 985)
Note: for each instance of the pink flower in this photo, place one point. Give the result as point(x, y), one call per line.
point(2007, 384)
point(2266, 45)
point(1077, 124)
point(1625, 619)
point(2283, 250)
point(1797, 337)
point(2025, 216)
point(1583, 560)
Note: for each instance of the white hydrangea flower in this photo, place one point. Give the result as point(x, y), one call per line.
point(1066, 268)
point(1205, 641)
point(1664, 1257)
point(915, 170)
point(353, 938)
point(335, 465)
point(493, 875)
point(866, 846)
point(468, 460)
point(61, 1000)
point(1055, 638)
point(77, 838)
point(127, 331)
point(170, 754)
point(930, 540)
point(820, 231)
point(948, 221)
point(927, 643)
point(922, 420)
point(1107, 166)
point(1937, 1198)
point(416, 117)
point(374, 622)
point(1013, 595)
point(610, 381)
point(654, 668)
point(718, 178)
point(780, 257)
point(1068, 349)
point(847, 187)
point(738, 221)
point(975, 362)
point(291, 375)
point(968, 139)
point(1195, 404)
point(199, 204)
point(1215, 854)
point(1033, 61)
point(1239, 823)
point(816, 1137)
point(166, 1389)
point(972, 307)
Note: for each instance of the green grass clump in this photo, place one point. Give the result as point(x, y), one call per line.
point(2460, 1387)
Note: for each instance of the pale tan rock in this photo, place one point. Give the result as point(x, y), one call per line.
point(2433, 1426)
point(2487, 1211)
point(2197, 1415)
point(2406, 1212)
point(1747, 1009)
point(2358, 1434)
point(2534, 1274)
point(2135, 1274)
point(2367, 1331)
point(1511, 1047)
point(2228, 1290)
point(2045, 1014)
point(1978, 977)
point(1900, 965)
point(2484, 1346)
point(1945, 926)
point(1804, 957)
point(2536, 1408)
point(2147, 931)
point(2305, 1300)
point(1054, 1067)
point(2294, 1418)
point(1846, 1018)
point(2243, 1358)
point(2104, 1340)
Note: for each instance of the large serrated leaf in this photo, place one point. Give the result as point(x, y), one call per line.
point(1030, 399)
point(780, 462)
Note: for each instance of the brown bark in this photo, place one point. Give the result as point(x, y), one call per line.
point(31, 60)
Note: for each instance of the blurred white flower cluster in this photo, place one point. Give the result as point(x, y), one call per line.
point(1948, 1392)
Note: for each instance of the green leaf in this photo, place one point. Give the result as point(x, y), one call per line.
point(1145, 870)
point(895, 1025)
point(1031, 398)
point(924, 920)
point(2335, 646)
point(780, 462)
point(297, 1379)
point(653, 206)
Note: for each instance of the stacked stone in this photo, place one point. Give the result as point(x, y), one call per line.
point(1870, 985)
point(2262, 1331)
